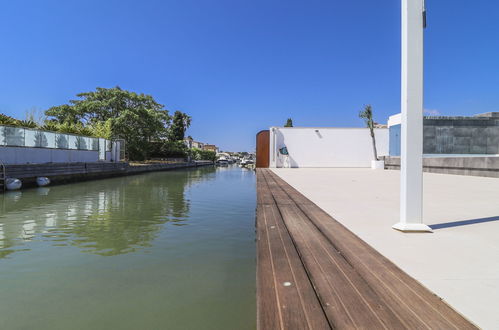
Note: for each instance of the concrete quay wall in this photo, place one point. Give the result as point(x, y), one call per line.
point(473, 166)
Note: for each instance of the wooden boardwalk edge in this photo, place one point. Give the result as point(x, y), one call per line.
point(306, 258)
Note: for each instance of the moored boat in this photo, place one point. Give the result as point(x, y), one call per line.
point(223, 161)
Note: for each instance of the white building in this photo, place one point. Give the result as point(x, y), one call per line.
point(325, 146)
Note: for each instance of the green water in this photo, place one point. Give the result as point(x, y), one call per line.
point(164, 250)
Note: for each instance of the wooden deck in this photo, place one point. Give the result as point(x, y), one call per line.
point(313, 273)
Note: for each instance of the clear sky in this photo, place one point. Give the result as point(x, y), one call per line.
point(239, 66)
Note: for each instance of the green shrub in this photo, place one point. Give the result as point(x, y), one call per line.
point(198, 154)
point(168, 149)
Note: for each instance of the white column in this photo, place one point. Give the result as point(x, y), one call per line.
point(411, 160)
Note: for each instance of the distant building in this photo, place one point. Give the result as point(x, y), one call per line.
point(477, 135)
point(211, 147)
point(190, 143)
point(197, 144)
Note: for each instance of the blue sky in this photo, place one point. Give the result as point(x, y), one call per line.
point(241, 66)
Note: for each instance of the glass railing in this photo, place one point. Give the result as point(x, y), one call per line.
point(11, 136)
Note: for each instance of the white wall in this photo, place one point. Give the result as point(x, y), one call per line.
point(25, 155)
point(326, 147)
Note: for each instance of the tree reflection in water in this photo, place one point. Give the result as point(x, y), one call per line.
point(106, 217)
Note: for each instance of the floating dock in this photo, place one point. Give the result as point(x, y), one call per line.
point(313, 273)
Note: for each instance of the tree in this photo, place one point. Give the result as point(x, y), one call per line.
point(116, 113)
point(10, 121)
point(103, 129)
point(289, 123)
point(65, 113)
point(169, 149)
point(180, 124)
point(367, 115)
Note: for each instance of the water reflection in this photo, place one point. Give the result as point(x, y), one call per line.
point(107, 217)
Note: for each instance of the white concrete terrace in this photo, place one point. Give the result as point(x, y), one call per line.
point(459, 261)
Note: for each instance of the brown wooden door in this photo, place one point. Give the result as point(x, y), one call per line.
point(263, 149)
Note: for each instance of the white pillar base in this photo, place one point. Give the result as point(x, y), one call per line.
point(412, 227)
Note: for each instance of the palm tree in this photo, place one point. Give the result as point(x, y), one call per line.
point(367, 115)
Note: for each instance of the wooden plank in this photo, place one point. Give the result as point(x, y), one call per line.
point(298, 305)
point(347, 299)
point(285, 296)
point(264, 196)
point(292, 193)
point(278, 194)
point(415, 305)
point(268, 311)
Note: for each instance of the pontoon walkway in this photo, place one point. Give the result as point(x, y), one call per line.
point(313, 273)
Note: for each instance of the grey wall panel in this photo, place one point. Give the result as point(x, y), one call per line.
point(20, 155)
point(455, 135)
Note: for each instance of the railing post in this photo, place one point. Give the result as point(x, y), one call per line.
point(411, 159)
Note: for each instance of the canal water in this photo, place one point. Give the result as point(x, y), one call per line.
point(163, 250)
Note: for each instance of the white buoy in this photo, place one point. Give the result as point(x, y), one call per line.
point(13, 184)
point(42, 181)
